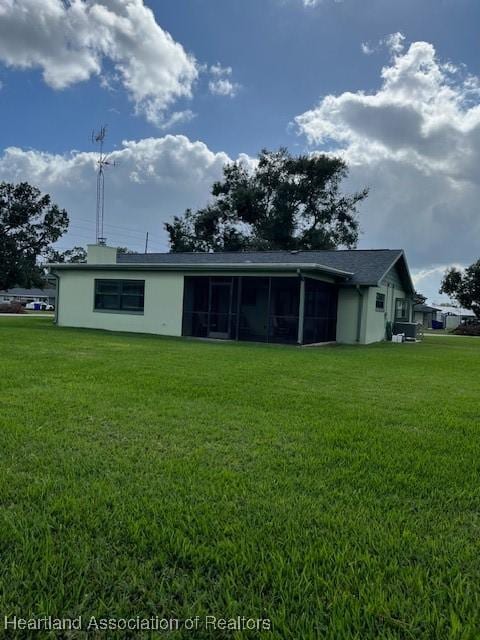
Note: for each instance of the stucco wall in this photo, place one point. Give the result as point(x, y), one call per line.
point(347, 315)
point(163, 303)
point(374, 322)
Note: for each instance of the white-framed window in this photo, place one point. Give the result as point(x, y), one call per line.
point(380, 302)
point(401, 309)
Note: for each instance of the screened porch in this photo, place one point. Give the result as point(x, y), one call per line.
point(290, 310)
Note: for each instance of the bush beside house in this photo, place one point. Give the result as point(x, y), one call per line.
point(11, 307)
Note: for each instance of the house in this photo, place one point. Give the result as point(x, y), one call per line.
point(298, 297)
point(454, 316)
point(427, 316)
point(17, 294)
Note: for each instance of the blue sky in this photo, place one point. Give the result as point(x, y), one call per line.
point(281, 59)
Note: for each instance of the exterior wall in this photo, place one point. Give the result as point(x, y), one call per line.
point(347, 315)
point(452, 322)
point(100, 254)
point(162, 311)
point(373, 324)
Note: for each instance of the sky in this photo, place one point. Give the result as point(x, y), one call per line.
point(185, 86)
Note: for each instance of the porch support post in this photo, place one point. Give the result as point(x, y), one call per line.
point(301, 309)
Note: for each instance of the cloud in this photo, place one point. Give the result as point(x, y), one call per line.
point(72, 41)
point(416, 143)
point(154, 179)
point(221, 83)
point(428, 280)
point(367, 48)
point(178, 117)
point(394, 42)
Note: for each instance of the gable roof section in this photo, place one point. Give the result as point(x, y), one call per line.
point(358, 266)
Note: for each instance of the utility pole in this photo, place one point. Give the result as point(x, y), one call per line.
point(146, 243)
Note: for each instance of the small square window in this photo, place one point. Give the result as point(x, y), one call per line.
point(380, 302)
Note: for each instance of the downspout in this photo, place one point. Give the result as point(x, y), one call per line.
point(360, 312)
point(57, 295)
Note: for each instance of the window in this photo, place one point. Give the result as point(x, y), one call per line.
point(380, 302)
point(119, 295)
point(401, 310)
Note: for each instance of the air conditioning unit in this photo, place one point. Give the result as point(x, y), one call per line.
point(407, 328)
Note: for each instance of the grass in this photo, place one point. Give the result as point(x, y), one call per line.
point(334, 490)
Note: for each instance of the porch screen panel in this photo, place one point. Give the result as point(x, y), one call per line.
point(209, 306)
point(196, 306)
point(284, 308)
point(253, 307)
point(320, 311)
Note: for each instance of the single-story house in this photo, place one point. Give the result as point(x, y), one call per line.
point(454, 316)
point(299, 297)
point(426, 315)
point(17, 294)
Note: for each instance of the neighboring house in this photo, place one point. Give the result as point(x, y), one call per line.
point(24, 296)
point(453, 316)
point(298, 297)
point(426, 316)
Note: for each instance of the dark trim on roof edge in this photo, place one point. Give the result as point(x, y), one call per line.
point(130, 266)
point(400, 255)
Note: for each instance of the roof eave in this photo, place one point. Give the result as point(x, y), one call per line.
point(400, 255)
point(145, 266)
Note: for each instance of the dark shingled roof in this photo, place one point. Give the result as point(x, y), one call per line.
point(367, 266)
point(19, 291)
point(425, 308)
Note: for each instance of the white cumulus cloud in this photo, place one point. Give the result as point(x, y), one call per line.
point(221, 83)
point(416, 143)
point(71, 42)
point(154, 179)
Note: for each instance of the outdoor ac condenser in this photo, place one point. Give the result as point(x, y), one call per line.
point(408, 328)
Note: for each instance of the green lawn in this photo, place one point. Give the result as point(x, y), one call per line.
point(332, 490)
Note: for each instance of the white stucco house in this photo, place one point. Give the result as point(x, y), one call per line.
point(298, 297)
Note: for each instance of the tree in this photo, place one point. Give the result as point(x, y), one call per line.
point(73, 255)
point(125, 250)
point(286, 202)
point(464, 286)
point(419, 298)
point(29, 223)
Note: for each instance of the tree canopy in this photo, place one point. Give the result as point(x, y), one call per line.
point(73, 255)
point(464, 286)
point(29, 224)
point(285, 202)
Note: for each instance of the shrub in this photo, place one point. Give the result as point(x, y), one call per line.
point(11, 307)
point(467, 329)
point(388, 331)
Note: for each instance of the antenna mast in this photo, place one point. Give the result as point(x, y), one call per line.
point(102, 162)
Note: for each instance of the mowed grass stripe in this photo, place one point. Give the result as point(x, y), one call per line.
point(332, 490)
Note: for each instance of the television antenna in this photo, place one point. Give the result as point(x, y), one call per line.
point(103, 161)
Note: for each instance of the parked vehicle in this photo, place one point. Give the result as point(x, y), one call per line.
point(39, 306)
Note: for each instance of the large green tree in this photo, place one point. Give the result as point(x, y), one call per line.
point(284, 202)
point(29, 223)
point(73, 255)
point(464, 286)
